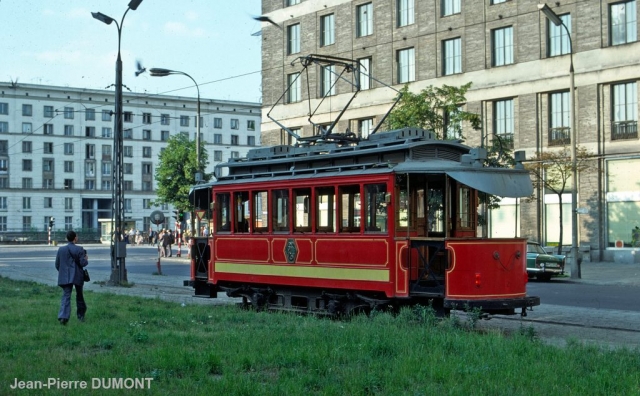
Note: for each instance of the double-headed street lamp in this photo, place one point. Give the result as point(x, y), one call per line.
point(160, 72)
point(555, 19)
point(118, 248)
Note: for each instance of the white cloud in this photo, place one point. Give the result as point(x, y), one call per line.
point(178, 28)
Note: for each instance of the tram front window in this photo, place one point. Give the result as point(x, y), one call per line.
point(376, 207)
point(242, 211)
point(435, 209)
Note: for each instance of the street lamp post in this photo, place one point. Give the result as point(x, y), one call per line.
point(575, 268)
point(118, 248)
point(160, 72)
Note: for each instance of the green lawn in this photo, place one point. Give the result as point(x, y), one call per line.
point(221, 350)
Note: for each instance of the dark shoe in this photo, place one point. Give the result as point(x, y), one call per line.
point(63, 321)
point(81, 318)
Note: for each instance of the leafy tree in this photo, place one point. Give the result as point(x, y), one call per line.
point(434, 109)
point(176, 171)
point(552, 171)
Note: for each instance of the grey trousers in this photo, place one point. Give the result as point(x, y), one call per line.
point(65, 302)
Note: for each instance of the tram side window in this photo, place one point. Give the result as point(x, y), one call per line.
point(302, 212)
point(350, 209)
point(375, 203)
point(402, 215)
point(280, 210)
point(223, 212)
point(260, 211)
point(325, 209)
point(242, 211)
point(465, 208)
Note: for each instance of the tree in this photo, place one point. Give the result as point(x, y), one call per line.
point(552, 171)
point(176, 171)
point(436, 109)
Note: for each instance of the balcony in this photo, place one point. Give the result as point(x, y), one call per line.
point(621, 130)
point(559, 136)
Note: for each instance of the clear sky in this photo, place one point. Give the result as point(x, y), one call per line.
point(58, 42)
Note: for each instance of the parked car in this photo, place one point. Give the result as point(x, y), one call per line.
point(543, 265)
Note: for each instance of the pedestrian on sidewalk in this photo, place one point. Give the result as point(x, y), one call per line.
point(70, 262)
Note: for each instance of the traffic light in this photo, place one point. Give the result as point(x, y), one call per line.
point(176, 214)
point(51, 222)
point(181, 216)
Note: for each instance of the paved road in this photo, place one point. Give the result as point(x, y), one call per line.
point(36, 264)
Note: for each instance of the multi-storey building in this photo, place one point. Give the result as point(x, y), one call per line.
point(56, 151)
point(519, 65)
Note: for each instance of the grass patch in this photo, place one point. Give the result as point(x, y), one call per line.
point(221, 350)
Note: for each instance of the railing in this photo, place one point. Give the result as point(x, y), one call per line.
point(559, 136)
point(621, 130)
point(33, 236)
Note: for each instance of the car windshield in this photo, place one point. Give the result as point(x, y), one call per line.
point(535, 248)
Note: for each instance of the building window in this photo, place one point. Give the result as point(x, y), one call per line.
point(558, 40)
point(502, 46)
point(293, 39)
point(90, 151)
point(327, 80)
point(146, 203)
point(47, 129)
point(146, 134)
point(559, 109)
point(90, 131)
point(47, 165)
point(625, 111)
point(251, 125)
point(235, 124)
point(364, 20)
point(27, 165)
point(235, 154)
point(106, 185)
point(106, 169)
point(327, 30)
point(68, 223)
point(289, 3)
point(4, 147)
point(48, 148)
point(47, 183)
point(68, 130)
point(4, 127)
point(90, 184)
point(106, 115)
point(48, 202)
point(404, 12)
point(128, 168)
point(452, 125)
point(27, 110)
point(68, 148)
point(26, 127)
point(234, 140)
point(68, 113)
point(106, 152)
point(128, 186)
point(3, 223)
point(251, 140)
point(146, 118)
point(26, 223)
point(146, 152)
point(128, 151)
point(217, 138)
point(127, 134)
point(147, 169)
point(106, 132)
point(364, 73)
point(68, 203)
point(450, 7)
point(3, 203)
point(365, 127)
point(164, 135)
point(452, 56)
point(26, 146)
point(405, 59)
point(26, 203)
point(217, 155)
point(217, 122)
point(294, 94)
point(503, 121)
point(127, 116)
point(499, 1)
point(89, 114)
point(48, 111)
point(622, 20)
point(184, 121)
point(27, 182)
point(68, 166)
point(90, 169)
point(4, 108)
point(164, 119)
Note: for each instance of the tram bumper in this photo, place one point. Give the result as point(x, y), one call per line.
point(202, 288)
point(505, 306)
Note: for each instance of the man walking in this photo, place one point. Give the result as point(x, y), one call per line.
point(70, 261)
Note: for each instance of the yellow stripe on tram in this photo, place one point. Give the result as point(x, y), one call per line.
point(356, 274)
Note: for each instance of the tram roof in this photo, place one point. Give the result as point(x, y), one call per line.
point(407, 150)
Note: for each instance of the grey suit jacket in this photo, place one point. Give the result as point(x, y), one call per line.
point(68, 261)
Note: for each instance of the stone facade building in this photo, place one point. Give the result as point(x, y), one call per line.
point(518, 63)
point(56, 151)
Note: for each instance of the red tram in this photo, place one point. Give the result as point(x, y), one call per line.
point(336, 227)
